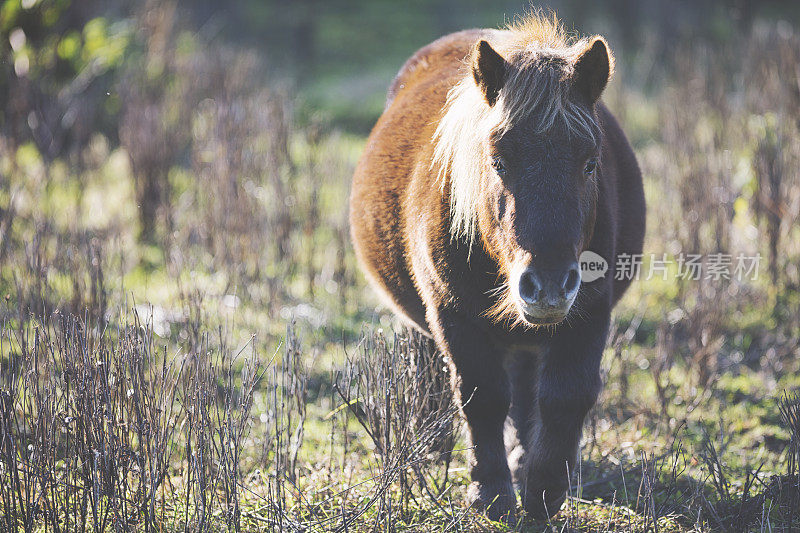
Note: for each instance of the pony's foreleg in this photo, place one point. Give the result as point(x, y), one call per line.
point(481, 387)
point(568, 383)
point(521, 369)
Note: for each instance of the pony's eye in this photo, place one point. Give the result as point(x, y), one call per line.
point(590, 167)
point(498, 166)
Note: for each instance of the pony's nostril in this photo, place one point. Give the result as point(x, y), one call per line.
point(571, 281)
point(529, 286)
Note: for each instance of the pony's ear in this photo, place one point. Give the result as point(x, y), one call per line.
point(489, 70)
point(593, 69)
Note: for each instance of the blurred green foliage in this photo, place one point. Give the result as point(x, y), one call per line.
point(339, 55)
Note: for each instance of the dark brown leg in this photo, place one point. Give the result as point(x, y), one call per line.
point(482, 390)
point(567, 387)
point(521, 368)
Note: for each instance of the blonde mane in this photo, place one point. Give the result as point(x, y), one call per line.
point(541, 56)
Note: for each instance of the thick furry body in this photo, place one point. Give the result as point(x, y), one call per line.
point(543, 380)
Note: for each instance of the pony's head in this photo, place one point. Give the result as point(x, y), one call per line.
point(518, 150)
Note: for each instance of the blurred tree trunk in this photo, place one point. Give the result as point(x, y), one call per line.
point(304, 34)
point(154, 125)
point(628, 17)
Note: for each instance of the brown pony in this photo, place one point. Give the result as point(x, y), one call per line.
point(492, 168)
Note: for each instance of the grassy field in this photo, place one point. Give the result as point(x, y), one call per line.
point(187, 342)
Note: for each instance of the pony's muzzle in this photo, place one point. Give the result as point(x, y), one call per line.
point(545, 296)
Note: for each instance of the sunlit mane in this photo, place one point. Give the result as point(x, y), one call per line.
point(541, 57)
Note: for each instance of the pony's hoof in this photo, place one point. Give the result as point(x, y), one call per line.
point(543, 504)
point(499, 503)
